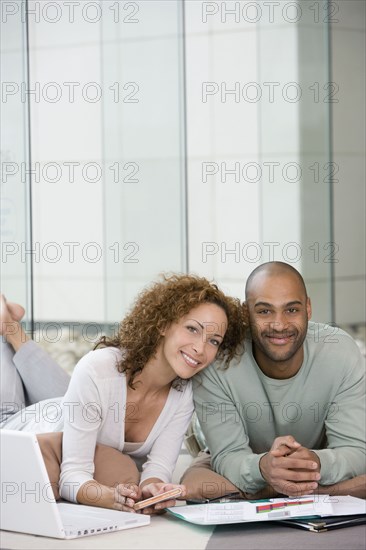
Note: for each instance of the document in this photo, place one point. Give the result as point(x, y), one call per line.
point(347, 506)
point(268, 510)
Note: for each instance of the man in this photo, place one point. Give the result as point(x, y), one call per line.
point(289, 418)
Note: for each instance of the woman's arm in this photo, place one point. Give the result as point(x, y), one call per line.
point(162, 458)
point(163, 455)
point(104, 491)
point(122, 497)
point(85, 407)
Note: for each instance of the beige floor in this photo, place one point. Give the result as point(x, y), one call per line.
point(164, 532)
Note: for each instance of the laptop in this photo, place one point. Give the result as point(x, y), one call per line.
point(28, 504)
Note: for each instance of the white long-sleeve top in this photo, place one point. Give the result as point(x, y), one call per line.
point(93, 411)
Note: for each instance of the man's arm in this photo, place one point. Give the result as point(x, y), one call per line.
point(289, 468)
point(226, 430)
point(225, 433)
point(355, 487)
point(344, 416)
point(232, 457)
point(345, 454)
point(231, 454)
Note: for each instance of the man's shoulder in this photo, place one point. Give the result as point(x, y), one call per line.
point(328, 341)
point(322, 333)
point(217, 369)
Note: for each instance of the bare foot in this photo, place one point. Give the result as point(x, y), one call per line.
point(10, 328)
point(16, 310)
point(9, 316)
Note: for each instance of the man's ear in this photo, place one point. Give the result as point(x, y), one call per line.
point(244, 306)
point(308, 308)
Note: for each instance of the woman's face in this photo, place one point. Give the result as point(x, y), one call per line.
point(191, 343)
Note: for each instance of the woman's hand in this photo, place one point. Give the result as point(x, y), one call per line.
point(122, 497)
point(156, 488)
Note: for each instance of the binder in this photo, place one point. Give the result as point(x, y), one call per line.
point(319, 525)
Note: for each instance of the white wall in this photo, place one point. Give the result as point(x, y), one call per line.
point(348, 67)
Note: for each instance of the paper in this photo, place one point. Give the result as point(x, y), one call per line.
point(259, 510)
point(347, 506)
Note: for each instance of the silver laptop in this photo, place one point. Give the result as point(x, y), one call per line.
point(28, 504)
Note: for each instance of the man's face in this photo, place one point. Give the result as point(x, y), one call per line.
point(278, 314)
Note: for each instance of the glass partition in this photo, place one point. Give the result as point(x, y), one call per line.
point(15, 232)
point(294, 146)
point(119, 206)
point(143, 147)
point(106, 97)
point(316, 160)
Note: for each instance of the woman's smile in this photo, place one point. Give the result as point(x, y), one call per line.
point(189, 360)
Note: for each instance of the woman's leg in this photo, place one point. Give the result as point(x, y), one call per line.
point(51, 449)
point(111, 466)
point(24, 365)
point(42, 377)
point(12, 391)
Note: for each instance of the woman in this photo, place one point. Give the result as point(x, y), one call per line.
point(132, 394)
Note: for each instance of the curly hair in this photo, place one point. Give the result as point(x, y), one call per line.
point(163, 303)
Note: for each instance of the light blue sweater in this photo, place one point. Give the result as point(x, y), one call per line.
point(242, 411)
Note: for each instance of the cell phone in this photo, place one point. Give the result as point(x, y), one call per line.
point(158, 498)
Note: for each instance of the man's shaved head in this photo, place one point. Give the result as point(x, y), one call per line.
point(279, 310)
point(272, 269)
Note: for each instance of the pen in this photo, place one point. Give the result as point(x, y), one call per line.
point(224, 498)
